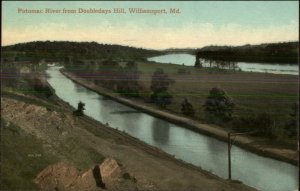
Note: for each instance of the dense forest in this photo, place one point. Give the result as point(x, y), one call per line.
point(60, 50)
point(286, 52)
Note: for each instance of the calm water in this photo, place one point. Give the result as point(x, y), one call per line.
point(189, 60)
point(206, 152)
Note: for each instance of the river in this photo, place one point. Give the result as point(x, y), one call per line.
point(200, 150)
point(189, 60)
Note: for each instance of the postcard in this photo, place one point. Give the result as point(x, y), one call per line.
point(149, 95)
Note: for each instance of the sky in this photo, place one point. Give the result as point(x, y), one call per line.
point(199, 23)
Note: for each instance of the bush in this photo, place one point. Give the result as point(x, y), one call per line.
point(219, 105)
point(291, 126)
point(261, 124)
point(187, 108)
point(159, 87)
point(80, 109)
point(161, 98)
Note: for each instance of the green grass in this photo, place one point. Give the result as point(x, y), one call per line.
point(23, 155)
point(78, 154)
point(22, 158)
point(47, 103)
point(251, 92)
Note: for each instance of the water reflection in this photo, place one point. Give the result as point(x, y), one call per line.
point(124, 112)
point(220, 64)
point(160, 131)
point(103, 114)
point(131, 122)
point(217, 152)
point(79, 88)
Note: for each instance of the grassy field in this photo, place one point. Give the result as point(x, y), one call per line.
point(252, 93)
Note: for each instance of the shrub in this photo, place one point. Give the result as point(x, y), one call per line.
point(219, 105)
point(187, 108)
point(291, 126)
point(261, 124)
point(80, 109)
point(159, 86)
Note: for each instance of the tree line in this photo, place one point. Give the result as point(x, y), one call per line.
point(59, 50)
point(270, 53)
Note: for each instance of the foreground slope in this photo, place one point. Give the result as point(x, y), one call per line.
point(51, 135)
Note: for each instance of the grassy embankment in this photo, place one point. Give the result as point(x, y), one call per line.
point(20, 158)
point(23, 154)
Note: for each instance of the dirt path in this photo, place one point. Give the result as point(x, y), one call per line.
point(153, 169)
point(246, 142)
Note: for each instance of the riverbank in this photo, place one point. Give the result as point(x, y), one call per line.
point(248, 143)
point(58, 136)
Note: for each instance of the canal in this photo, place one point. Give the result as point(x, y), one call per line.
point(200, 150)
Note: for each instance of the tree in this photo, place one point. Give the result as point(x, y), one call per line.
point(129, 84)
point(9, 74)
point(68, 62)
point(40, 88)
point(219, 105)
point(80, 109)
point(159, 86)
point(187, 108)
point(263, 123)
point(109, 74)
point(198, 63)
point(291, 126)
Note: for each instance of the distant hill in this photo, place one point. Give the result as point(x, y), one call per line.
point(286, 52)
point(179, 50)
point(59, 50)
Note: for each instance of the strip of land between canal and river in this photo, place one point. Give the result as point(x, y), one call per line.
point(242, 141)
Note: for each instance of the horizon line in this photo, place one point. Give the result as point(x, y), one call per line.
point(165, 49)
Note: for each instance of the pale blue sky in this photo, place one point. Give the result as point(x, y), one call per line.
point(199, 24)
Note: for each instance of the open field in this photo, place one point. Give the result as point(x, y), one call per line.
point(252, 93)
